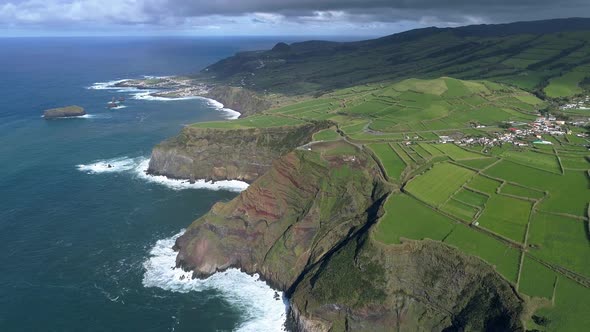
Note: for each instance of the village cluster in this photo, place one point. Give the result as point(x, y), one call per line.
point(521, 134)
point(582, 103)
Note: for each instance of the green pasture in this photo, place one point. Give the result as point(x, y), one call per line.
point(405, 217)
point(560, 241)
point(393, 164)
point(439, 183)
point(476, 243)
point(506, 216)
point(484, 184)
point(457, 153)
point(536, 279)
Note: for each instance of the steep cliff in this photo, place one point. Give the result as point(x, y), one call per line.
point(415, 286)
point(242, 100)
point(227, 154)
point(305, 225)
point(288, 219)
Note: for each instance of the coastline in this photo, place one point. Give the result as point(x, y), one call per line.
point(137, 167)
point(274, 317)
point(167, 88)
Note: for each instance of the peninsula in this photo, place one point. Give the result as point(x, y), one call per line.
point(397, 184)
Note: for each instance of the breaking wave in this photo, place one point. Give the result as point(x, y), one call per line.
point(264, 308)
point(137, 167)
point(148, 95)
point(85, 116)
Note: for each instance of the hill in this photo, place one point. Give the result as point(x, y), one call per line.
point(550, 57)
point(491, 231)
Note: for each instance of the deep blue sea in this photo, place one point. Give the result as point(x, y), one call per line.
point(87, 248)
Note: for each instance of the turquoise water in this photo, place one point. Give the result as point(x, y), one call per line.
point(84, 248)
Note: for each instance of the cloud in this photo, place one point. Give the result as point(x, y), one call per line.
point(283, 15)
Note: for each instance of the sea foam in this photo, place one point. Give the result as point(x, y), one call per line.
point(263, 309)
point(147, 95)
point(137, 167)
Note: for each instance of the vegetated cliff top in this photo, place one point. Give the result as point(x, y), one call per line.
point(526, 54)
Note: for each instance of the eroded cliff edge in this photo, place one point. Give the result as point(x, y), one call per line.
point(227, 153)
point(304, 226)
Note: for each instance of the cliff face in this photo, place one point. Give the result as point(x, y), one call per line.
point(242, 100)
point(416, 286)
point(287, 220)
point(226, 154)
point(305, 225)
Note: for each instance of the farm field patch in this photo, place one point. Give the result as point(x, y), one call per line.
point(473, 242)
point(408, 218)
point(506, 216)
point(439, 183)
point(561, 241)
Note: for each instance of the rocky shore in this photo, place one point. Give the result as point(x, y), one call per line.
point(242, 100)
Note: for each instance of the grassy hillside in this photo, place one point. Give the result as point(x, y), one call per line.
point(551, 57)
point(521, 209)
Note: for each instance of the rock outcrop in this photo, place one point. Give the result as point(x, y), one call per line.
point(227, 154)
point(63, 112)
point(415, 286)
point(287, 220)
point(304, 226)
point(242, 100)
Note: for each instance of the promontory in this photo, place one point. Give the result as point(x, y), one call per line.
point(432, 180)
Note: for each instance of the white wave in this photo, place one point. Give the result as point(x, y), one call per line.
point(263, 311)
point(138, 167)
point(148, 94)
point(85, 116)
point(115, 165)
point(110, 85)
point(229, 113)
point(118, 107)
point(229, 185)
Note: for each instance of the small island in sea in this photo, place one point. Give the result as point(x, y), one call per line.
point(64, 112)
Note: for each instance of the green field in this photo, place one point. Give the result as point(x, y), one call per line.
point(536, 279)
point(484, 184)
point(439, 183)
point(457, 153)
point(567, 84)
point(409, 218)
point(504, 258)
point(543, 161)
point(326, 135)
point(511, 189)
point(561, 241)
point(570, 313)
point(506, 216)
point(459, 210)
point(478, 163)
point(568, 193)
point(471, 198)
point(393, 164)
point(257, 121)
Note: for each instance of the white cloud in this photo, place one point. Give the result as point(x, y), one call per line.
point(54, 12)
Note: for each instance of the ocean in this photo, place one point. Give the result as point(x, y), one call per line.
point(85, 247)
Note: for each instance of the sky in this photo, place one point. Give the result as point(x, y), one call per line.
point(265, 17)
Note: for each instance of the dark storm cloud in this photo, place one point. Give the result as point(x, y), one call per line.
point(278, 16)
point(382, 10)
